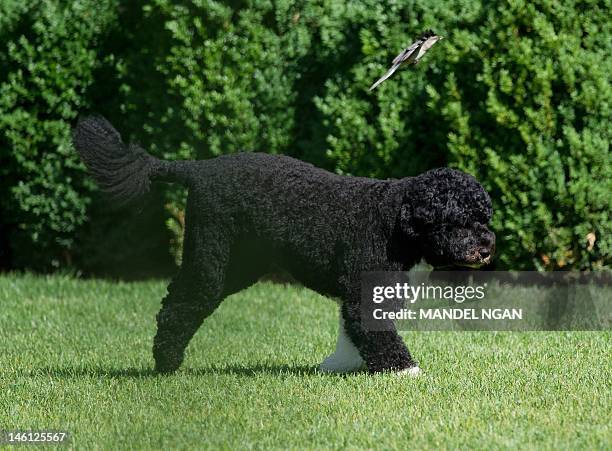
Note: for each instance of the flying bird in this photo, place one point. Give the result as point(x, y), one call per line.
point(411, 55)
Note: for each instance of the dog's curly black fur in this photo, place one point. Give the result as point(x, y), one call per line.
point(249, 213)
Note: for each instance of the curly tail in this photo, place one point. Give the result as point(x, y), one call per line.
point(123, 171)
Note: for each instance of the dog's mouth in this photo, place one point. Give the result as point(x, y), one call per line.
point(476, 259)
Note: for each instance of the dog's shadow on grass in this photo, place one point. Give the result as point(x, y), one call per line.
point(142, 373)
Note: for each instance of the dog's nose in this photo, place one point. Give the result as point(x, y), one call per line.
point(484, 253)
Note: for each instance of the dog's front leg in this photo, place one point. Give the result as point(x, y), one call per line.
point(381, 350)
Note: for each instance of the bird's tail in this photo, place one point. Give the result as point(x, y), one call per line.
point(384, 77)
point(123, 171)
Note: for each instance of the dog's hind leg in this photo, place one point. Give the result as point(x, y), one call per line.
point(195, 292)
point(183, 310)
point(192, 297)
point(215, 265)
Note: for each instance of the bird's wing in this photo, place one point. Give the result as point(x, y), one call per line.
point(384, 77)
point(405, 54)
point(426, 46)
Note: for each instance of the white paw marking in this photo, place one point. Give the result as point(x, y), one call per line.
point(346, 359)
point(420, 267)
point(412, 372)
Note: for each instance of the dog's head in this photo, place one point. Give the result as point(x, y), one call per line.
point(446, 213)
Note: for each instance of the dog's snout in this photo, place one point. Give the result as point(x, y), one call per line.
point(488, 240)
point(486, 252)
point(487, 246)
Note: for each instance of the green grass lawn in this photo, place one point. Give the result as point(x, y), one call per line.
point(76, 356)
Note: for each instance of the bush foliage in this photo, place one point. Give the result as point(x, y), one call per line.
point(47, 57)
point(518, 94)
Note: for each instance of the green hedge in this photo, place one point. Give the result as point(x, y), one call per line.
point(529, 115)
point(518, 94)
point(47, 57)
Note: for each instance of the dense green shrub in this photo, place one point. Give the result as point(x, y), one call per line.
point(47, 55)
point(529, 115)
point(518, 94)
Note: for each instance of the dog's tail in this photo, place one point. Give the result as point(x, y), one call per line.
point(123, 171)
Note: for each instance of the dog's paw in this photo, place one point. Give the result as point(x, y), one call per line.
point(413, 371)
point(164, 368)
point(167, 363)
point(341, 364)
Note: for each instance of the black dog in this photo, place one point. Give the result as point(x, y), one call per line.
point(249, 213)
